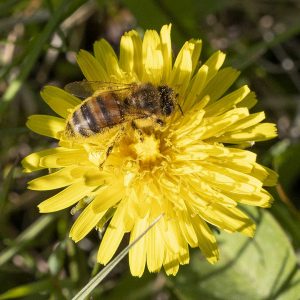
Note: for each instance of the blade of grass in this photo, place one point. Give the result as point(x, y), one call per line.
point(88, 288)
point(6, 186)
point(26, 236)
point(65, 7)
point(27, 289)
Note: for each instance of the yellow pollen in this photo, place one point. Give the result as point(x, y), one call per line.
point(96, 157)
point(147, 150)
point(128, 178)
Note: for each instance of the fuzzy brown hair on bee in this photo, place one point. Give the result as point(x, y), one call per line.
point(109, 104)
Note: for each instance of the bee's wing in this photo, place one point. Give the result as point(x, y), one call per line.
point(84, 89)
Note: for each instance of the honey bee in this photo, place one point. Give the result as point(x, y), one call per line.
point(108, 104)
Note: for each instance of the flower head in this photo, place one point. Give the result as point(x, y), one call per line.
point(193, 167)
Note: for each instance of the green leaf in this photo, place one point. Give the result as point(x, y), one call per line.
point(27, 289)
point(289, 220)
point(261, 268)
point(8, 180)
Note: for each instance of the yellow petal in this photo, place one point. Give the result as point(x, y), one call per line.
point(222, 80)
point(235, 153)
point(110, 243)
point(122, 216)
point(227, 102)
point(195, 48)
point(166, 48)
point(137, 254)
point(206, 240)
point(46, 125)
point(105, 54)
point(131, 54)
point(171, 186)
point(59, 100)
point(225, 179)
point(189, 122)
point(249, 121)
point(126, 54)
point(107, 197)
point(54, 180)
point(272, 178)
point(187, 228)
point(249, 101)
point(266, 175)
point(195, 89)
point(184, 256)
point(228, 219)
point(171, 264)
point(94, 177)
point(260, 132)
point(182, 69)
point(152, 58)
point(234, 158)
point(214, 63)
point(65, 198)
point(32, 162)
point(236, 163)
point(86, 221)
point(155, 249)
point(119, 224)
point(207, 193)
point(229, 179)
point(171, 236)
point(215, 126)
point(261, 198)
point(90, 67)
point(65, 157)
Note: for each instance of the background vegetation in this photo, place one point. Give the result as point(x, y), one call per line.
point(38, 45)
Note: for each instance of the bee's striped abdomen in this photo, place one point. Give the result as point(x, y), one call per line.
point(80, 125)
point(96, 114)
point(91, 116)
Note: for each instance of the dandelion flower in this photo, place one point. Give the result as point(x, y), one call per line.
point(193, 169)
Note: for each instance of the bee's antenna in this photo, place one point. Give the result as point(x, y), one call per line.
point(176, 96)
point(180, 109)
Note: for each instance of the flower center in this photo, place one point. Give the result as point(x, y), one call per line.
point(147, 149)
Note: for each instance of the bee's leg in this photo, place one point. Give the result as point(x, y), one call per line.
point(139, 131)
point(180, 109)
point(111, 146)
point(108, 151)
point(160, 122)
point(133, 124)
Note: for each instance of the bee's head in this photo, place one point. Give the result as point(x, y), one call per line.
point(166, 99)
